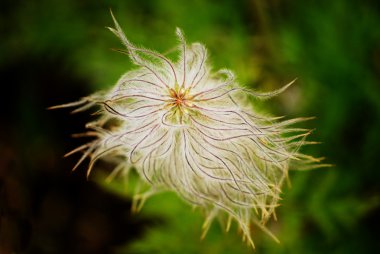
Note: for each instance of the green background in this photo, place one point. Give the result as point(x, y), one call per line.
point(56, 51)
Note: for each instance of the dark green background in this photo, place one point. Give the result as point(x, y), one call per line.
point(55, 51)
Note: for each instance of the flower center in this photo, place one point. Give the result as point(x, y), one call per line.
point(179, 98)
point(179, 105)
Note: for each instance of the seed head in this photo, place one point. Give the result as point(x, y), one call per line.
point(189, 130)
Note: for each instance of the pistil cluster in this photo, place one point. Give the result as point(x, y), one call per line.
point(180, 104)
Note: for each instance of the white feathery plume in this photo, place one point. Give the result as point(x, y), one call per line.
point(192, 131)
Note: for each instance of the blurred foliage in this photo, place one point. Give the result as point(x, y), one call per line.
point(54, 51)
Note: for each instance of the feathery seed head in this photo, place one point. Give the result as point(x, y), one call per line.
point(190, 131)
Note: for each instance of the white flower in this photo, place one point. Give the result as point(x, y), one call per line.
point(191, 131)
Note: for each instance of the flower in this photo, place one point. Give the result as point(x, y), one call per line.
point(187, 129)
